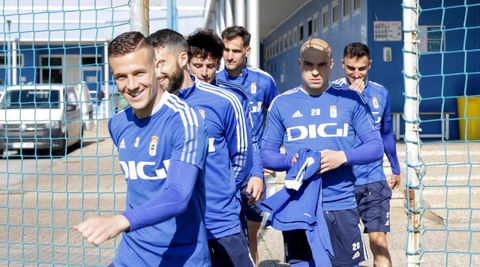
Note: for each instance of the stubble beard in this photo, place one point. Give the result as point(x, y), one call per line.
point(175, 80)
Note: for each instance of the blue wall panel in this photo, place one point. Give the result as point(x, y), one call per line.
point(444, 75)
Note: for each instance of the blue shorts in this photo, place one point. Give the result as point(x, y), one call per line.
point(373, 202)
point(230, 250)
point(346, 237)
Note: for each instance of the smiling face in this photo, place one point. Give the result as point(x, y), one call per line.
point(171, 73)
point(315, 67)
point(204, 69)
point(356, 68)
point(134, 74)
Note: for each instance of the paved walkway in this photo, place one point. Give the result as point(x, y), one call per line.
point(271, 241)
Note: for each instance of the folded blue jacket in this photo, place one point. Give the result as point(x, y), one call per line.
point(299, 206)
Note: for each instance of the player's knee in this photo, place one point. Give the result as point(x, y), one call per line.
point(378, 239)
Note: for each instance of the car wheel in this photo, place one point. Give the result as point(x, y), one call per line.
point(60, 151)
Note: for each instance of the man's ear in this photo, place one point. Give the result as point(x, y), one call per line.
point(370, 64)
point(182, 59)
point(158, 68)
point(248, 50)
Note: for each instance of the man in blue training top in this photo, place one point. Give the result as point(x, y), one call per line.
point(229, 157)
point(260, 89)
point(329, 120)
point(373, 192)
point(205, 50)
point(161, 145)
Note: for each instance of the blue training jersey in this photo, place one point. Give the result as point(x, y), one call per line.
point(257, 167)
point(378, 99)
point(173, 132)
point(260, 89)
point(332, 121)
point(229, 158)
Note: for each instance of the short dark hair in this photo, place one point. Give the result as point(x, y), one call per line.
point(356, 50)
point(168, 38)
point(126, 43)
point(234, 31)
point(205, 42)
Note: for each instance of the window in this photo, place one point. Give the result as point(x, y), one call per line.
point(3, 60)
point(51, 69)
point(432, 39)
point(290, 39)
point(325, 18)
point(309, 27)
point(26, 98)
point(357, 4)
point(295, 35)
point(92, 60)
point(284, 42)
point(315, 23)
point(346, 8)
point(335, 13)
point(300, 33)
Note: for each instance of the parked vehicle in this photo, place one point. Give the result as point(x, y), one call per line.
point(41, 117)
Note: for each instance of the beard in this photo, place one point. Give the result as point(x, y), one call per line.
point(175, 80)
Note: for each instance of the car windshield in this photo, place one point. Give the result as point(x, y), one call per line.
point(25, 98)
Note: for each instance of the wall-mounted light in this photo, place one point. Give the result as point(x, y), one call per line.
point(387, 54)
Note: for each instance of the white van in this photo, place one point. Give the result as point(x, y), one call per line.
point(86, 105)
point(41, 117)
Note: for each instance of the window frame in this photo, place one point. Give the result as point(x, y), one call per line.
point(325, 18)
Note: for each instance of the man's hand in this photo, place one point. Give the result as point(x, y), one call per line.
point(269, 172)
point(331, 160)
point(254, 189)
point(358, 85)
point(100, 229)
point(394, 181)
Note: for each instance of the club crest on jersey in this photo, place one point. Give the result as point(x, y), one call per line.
point(137, 142)
point(333, 111)
point(253, 87)
point(375, 102)
point(202, 112)
point(152, 148)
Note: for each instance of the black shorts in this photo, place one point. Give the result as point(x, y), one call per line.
point(230, 250)
point(373, 202)
point(251, 212)
point(345, 236)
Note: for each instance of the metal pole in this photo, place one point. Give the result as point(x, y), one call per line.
point(221, 14)
point(9, 55)
point(14, 62)
point(415, 167)
point(106, 77)
point(172, 14)
point(254, 29)
point(240, 12)
point(228, 13)
point(139, 16)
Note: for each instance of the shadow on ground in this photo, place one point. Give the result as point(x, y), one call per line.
point(271, 263)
